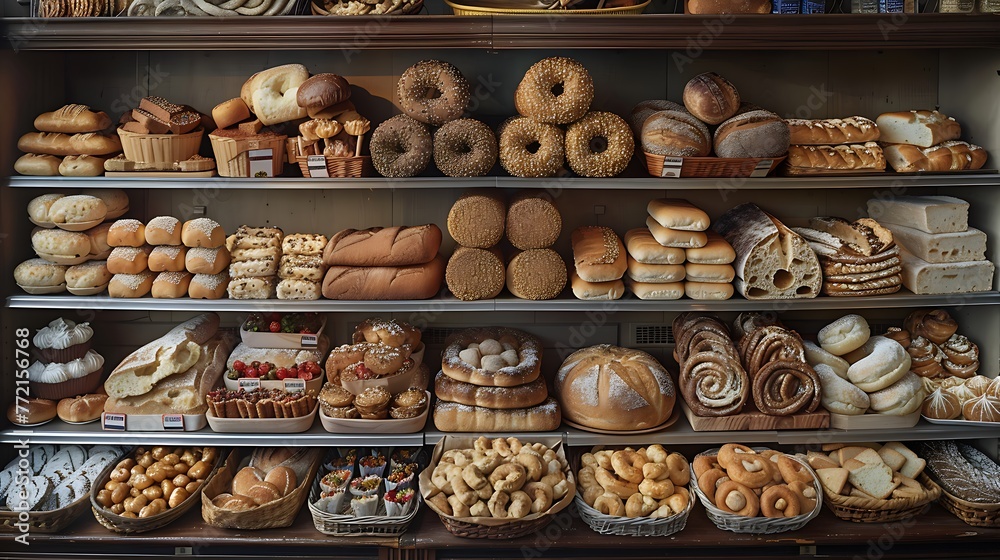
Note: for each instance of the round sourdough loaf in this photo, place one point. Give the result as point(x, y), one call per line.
point(675, 134)
point(754, 134)
point(711, 98)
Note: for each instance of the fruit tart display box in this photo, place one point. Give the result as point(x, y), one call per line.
point(281, 340)
point(754, 420)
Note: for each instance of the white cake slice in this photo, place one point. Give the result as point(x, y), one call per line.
point(969, 245)
point(922, 277)
point(929, 214)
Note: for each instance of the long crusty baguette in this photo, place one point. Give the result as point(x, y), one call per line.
point(391, 246)
point(71, 119)
point(59, 144)
point(419, 281)
point(172, 353)
point(953, 155)
point(848, 156)
point(850, 130)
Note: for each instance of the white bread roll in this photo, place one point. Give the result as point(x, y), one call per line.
point(654, 273)
point(167, 258)
point(839, 395)
point(643, 290)
point(99, 247)
point(208, 286)
point(39, 165)
point(612, 289)
point(82, 408)
point(710, 291)
point(90, 274)
point(82, 166)
point(716, 251)
point(60, 242)
point(115, 199)
point(75, 209)
point(131, 285)
point(678, 214)
point(844, 335)
point(163, 230)
point(644, 248)
point(168, 285)
point(901, 398)
point(127, 233)
point(675, 237)
point(252, 288)
point(204, 260)
point(39, 273)
point(714, 273)
point(203, 232)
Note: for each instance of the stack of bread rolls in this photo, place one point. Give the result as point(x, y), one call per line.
point(859, 258)
point(927, 141)
point(599, 262)
point(206, 257)
point(129, 260)
point(476, 269)
point(301, 268)
point(833, 145)
point(253, 268)
point(534, 271)
point(70, 141)
point(490, 381)
point(399, 262)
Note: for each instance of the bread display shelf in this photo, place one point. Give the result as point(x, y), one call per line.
point(754, 420)
point(649, 31)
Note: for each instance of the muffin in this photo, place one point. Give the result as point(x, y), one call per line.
point(63, 341)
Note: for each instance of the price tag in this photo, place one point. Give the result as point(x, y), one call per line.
point(111, 421)
point(317, 166)
point(261, 163)
point(294, 385)
point(762, 167)
point(173, 422)
point(672, 167)
point(249, 383)
point(309, 341)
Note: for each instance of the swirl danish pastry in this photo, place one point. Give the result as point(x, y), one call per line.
point(712, 380)
point(783, 381)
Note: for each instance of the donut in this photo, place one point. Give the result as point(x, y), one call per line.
point(628, 465)
point(529, 148)
point(465, 148)
point(599, 145)
point(639, 505)
point(704, 463)
point(433, 92)
point(752, 471)
point(401, 147)
point(680, 471)
point(792, 470)
point(733, 497)
point(710, 480)
point(656, 453)
point(780, 501)
point(655, 471)
point(610, 504)
point(555, 90)
point(727, 453)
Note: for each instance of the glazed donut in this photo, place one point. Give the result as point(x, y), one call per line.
point(555, 90)
point(883, 362)
point(401, 147)
point(727, 454)
point(458, 507)
point(705, 463)
point(540, 494)
point(628, 465)
point(611, 483)
point(733, 497)
point(639, 505)
point(779, 501)
point(934, 325)
point(531, 149)
point(465, 148)
point(680, 471)
point(474, 477)
point(656, 471)
point(753, 472)
point(806, 493)
point(610, 504)
point(656, 453)
point(710, 480)
point(433, 92)
point(844, 335)
point(599, 145)
point(658, 489)
point(532, 466)
point(508, 477)
point(487, 461)
point(792, 470)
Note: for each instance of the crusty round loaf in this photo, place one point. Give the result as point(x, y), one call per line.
point(203, 232)
point(675, 134)
point(474, 274)
point(39, 273)
point(167, 258)
point(455, 417)
point(613, 388)
point(754, 134)
point(129, 260)
point(711, 98)
point(163, 230)
point(536, 274)
point(169, 285)
point(208, 286)
point(477, 220)
point(90, 274)
point(533, 221)
point(127, 233)
point(245, 478)
point(60, 242)
point(82, 408)
point(520, 396)
point(496, 357)
point(204, 260)
point(131, 285)
point(644, 109)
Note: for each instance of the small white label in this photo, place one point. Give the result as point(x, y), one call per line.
point(309, 341)
point(672, 167)
point(762, 168)
point(110, 421)
point(249, 383)
point(317, 166)
point(173, 422)
point(294, 385)
point(261, 163)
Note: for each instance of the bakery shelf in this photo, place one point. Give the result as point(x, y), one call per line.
point(680, 433)
point(922, 431)
point(58, 432)
point(439, 304)
point(989, 178)
point(432, 436)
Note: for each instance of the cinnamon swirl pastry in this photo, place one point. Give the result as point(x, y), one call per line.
point(935, 325)
point(769, 344)
point(712, 379)
point(783, 388)
point(961, 356)
point(926, 358)
point(902, 336)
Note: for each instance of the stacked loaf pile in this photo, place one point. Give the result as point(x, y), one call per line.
point(70, 142)
point(272, 474)
point(618, 483)
point(712, 379)
point(301, 268)
point(861, 373)
point(433, 93)
point(534, 271)
point(490, 381)
point(254, 256)
point(399, 262)
point(869, 470)
point(66, 366)
point(859, 258)
point(556, 92)
point(173, 373)
point(834, 145)
point(129, 260)
point(476, 269)
point(599, 263)
point(927, 141)
point(772, 261)
point(940, 253)
point(51, 477)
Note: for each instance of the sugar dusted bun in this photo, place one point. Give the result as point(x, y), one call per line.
point(204, 260)
point(127, 233)
point(171, 284)
point(203, 232)
point(208, 286)
point(167, 258)
point(129, 260)
point(131, 285)
point(163, 230)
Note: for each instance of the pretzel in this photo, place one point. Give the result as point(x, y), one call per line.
point(611, 483)
point(779, 501)
point(733, 497)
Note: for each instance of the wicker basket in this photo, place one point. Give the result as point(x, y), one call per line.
point(712, 167)
point(977, 515)
point(66, 389)
point(232, 157)
point(635, 527)
point(759, 525)
point(465, 10)
point(129, 526)
point(339, 166)
point(347, 525)
point(412, 9)
point(490, 528)
point(867, 510)
point(160, 148)
point(279, 513)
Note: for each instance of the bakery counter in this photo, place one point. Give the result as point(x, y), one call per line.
point(935, 534)
point(439, 304)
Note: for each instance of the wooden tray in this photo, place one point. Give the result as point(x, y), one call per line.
point(873, 421)
point(674, 416)
point(754, 420)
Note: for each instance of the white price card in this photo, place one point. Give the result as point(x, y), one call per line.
point(672, 167)
point(261, 163)
point(317, 166)
point(249, 383)
point(294, 385)
point(173, 422)
point(112, 421)
point(309, 341)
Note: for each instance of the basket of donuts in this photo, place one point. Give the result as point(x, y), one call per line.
point(641, 492)
point(330, 143)
point(57, 489)
point(676, 140)
point(873, 483)
point(261, 488)
point(967, 478)
point(152, 487)
point(528, 7)
point(362, 496)
point(497, 489)
point(757, 491)
point(359, 8)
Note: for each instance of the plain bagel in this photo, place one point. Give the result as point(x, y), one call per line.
point(883, 363)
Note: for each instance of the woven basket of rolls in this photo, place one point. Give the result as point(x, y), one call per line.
point(501, 488)
point(637, 493)
point(758, 491)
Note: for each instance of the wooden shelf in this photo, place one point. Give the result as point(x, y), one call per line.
point(649, 31)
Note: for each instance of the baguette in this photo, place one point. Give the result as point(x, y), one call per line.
point(953, 155)
point(59, 144)
point(849, 156)
point(71, 119)
point(392, 246)
point(420, 281)
point(850, 130)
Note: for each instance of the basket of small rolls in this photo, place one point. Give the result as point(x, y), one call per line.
point(152, 487)
point(636, 493)
point(756, 490)
point(262, 489)
point(497, 489)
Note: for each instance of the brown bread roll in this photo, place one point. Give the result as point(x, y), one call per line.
point(129, 260)
point(754, 134)
point(711, 98)
point(536, 274)
point(533, 221)
point(131, 285)
point(203, 260)
point(40, 165)
point(167, 258)
point(82, 408)
point(477, 219)
point(169, 285)
point(127, 233)
point(474, 274)
point(598, 254)
point(208, 286)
